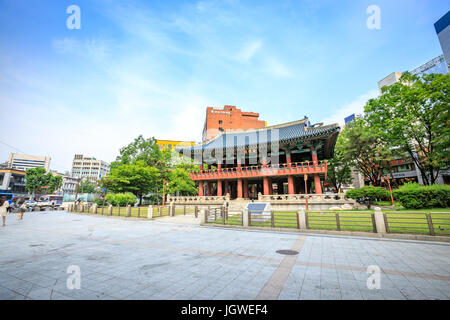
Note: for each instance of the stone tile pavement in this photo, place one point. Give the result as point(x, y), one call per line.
point(176, 259)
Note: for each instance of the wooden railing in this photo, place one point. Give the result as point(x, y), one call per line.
point(260, 170)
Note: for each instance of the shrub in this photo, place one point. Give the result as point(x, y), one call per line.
point(414, 196)
point(99, 202)
point(121, 199)
point(368, 194)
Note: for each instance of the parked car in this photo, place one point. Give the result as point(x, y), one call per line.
point(30, 204)
point(48, 202)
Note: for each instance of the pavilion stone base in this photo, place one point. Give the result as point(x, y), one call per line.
point(277, 202)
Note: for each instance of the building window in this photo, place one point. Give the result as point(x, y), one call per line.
point(221, 129)
point(220, 121)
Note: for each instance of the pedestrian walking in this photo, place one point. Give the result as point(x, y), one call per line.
point(4, 205)
point(22, 208)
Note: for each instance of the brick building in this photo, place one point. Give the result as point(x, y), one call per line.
point(229, 118)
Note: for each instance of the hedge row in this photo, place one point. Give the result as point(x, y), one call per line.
point(121, 199)
point(414, 196)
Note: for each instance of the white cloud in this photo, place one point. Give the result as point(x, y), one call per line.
point(249, 50)
point(356, 106)
point(94, 48)
point(276, 68)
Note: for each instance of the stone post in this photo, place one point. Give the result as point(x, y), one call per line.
point(379, 221)
point(150, 212)
point(128, 210)
point(302, 219)
point(203, 215)
point(245, 218)
point(94, 208)
point(171, 210)
point(110, 210)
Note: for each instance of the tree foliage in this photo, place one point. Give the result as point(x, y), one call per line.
point(142, 167)
point(137, 178)
point(54, 183)
point(86, 186)
point(339, 168)
point(363, 147)
point(179, 181)
point(35, 179)
point(412, 116)
point(146, 150)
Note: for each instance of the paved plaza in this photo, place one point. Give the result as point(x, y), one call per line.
point(175, 258)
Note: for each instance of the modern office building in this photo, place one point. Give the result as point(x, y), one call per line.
point(442, 27)
point(89, 168)
point(389, 80)
point(12, 181)
point(171, 144)
point(229, 118)
point(26, 161)
point(436, 65)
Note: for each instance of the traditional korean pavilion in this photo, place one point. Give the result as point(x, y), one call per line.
point(289, 158)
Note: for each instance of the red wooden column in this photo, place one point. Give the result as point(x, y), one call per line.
point(270, 186)
point(208, 188)
point(219, 182)
point(317, 186)
point(246, 189)
point(226, 187)
point(200, 188)
point(291, 186)
point(219, 188)
point(266, 186)
point(239, 188)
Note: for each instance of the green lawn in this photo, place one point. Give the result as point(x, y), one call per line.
point(361, 220)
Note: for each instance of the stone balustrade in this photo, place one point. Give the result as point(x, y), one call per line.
point(198, 200)
point(338, 198)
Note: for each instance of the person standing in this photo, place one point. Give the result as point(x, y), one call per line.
point(22, 208)
point(4, 204)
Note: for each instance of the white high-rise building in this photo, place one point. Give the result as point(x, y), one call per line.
point(27, 161)
point(89, 168)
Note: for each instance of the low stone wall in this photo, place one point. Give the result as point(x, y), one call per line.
point(207, 200)
point(278, 202)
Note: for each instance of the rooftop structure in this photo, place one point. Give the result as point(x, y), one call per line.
point(229, 118)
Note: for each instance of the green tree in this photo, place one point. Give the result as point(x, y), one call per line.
point(35, 180)
point(338, 168)
point(137, 178)
point(144, 150)
point(180, 181)
point(86, 186)
point(368, 194)
point(412, 116)
point(363, 147)
point(54, 183)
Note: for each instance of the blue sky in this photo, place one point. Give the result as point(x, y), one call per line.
point(152, 67)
